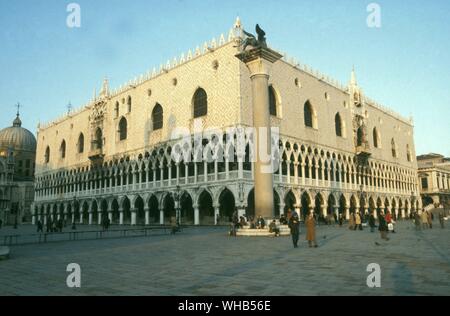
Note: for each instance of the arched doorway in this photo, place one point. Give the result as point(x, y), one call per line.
point(153, 207)
point(187, 210)
point(169, 208)
point(331, 204)
point(318, 206)
point(226, 205)
point(306, 205)
point(115, 212)
point(206, 208)
point(289, 202)
point(104, 211)
point(126, 207)
point(94, 212)
point(85, 213)
point(140, 213)
point(342, 205)
point(379, 206)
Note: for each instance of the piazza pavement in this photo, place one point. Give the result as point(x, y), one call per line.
point(205, 261)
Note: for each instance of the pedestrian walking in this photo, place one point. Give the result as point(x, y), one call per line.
point(358, 223)
point(294, 225)
point(311, 231)
point(372, 223)
point(382, 227)
point(39, 226)
point(417, 220)
point(424, 218)
point(430, 219)
point(351, 222)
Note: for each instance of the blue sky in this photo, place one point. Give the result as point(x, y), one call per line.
point(404, 65)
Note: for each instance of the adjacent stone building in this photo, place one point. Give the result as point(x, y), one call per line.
point(339, 151)
point(17, 164)
point(434, 179)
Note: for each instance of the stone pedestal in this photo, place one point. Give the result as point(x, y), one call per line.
point(259, 61)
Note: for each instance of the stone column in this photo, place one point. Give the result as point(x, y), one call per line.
point(90, 217)
point(216, 213)
point(147, 216)
point(110, 217)
point(281, 210)
point(347, 213)
point(336, 211)
point(196, 215)
point(120, 216)
point(259, 61)
point(73, 218)
point(99, 218)
point(133, 216)
point(161, 217)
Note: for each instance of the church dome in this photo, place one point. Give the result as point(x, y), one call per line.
point(17, 138)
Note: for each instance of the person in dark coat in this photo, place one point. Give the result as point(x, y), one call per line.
point(382, 227)
point(40, 227)
point(311, 231)
point(294, 225)
point(261, 223)
point(372, 223)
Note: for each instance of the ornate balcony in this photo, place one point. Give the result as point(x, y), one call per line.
point(363, 151)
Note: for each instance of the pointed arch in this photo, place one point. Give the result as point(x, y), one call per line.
point(123, 129)
point(157, 117)
point(200, 103)
point(80, 144)
point(310, 116)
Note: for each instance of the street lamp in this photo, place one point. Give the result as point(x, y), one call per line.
point(362, 195)
point(177, 199)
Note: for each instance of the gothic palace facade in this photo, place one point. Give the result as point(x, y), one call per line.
point(340, 151)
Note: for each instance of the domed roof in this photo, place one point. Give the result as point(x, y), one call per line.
point(17, 138)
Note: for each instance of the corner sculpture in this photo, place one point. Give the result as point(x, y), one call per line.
point(252, 41)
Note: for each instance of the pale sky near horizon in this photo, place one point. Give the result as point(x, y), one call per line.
point(404, 65)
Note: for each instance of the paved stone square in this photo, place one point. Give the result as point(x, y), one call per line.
point(205, 261)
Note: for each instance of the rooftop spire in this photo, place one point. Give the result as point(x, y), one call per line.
point(17, 122)
point(237, 24)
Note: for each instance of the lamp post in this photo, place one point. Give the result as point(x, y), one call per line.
point(177, 199)
point(362, 195)
point(413, 196)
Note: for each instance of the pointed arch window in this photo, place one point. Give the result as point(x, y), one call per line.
point(309, 115)
point(62, 149)
point(338, 125)
point(80, 144)
point(123, 127)
point(157, 117)
point(47, 155)
point(200, 101)
point(129, 102)
point(394, 148)
point(273, 104)
point(376, 138)
point(99, 138)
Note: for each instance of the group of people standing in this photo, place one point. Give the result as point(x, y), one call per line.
point(294, 225)
point(55, 226)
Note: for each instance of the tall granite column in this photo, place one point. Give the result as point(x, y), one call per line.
point(259, 61)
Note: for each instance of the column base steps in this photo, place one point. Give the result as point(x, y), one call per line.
point(247, 232)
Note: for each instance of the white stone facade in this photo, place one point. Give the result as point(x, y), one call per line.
point(370, 166)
